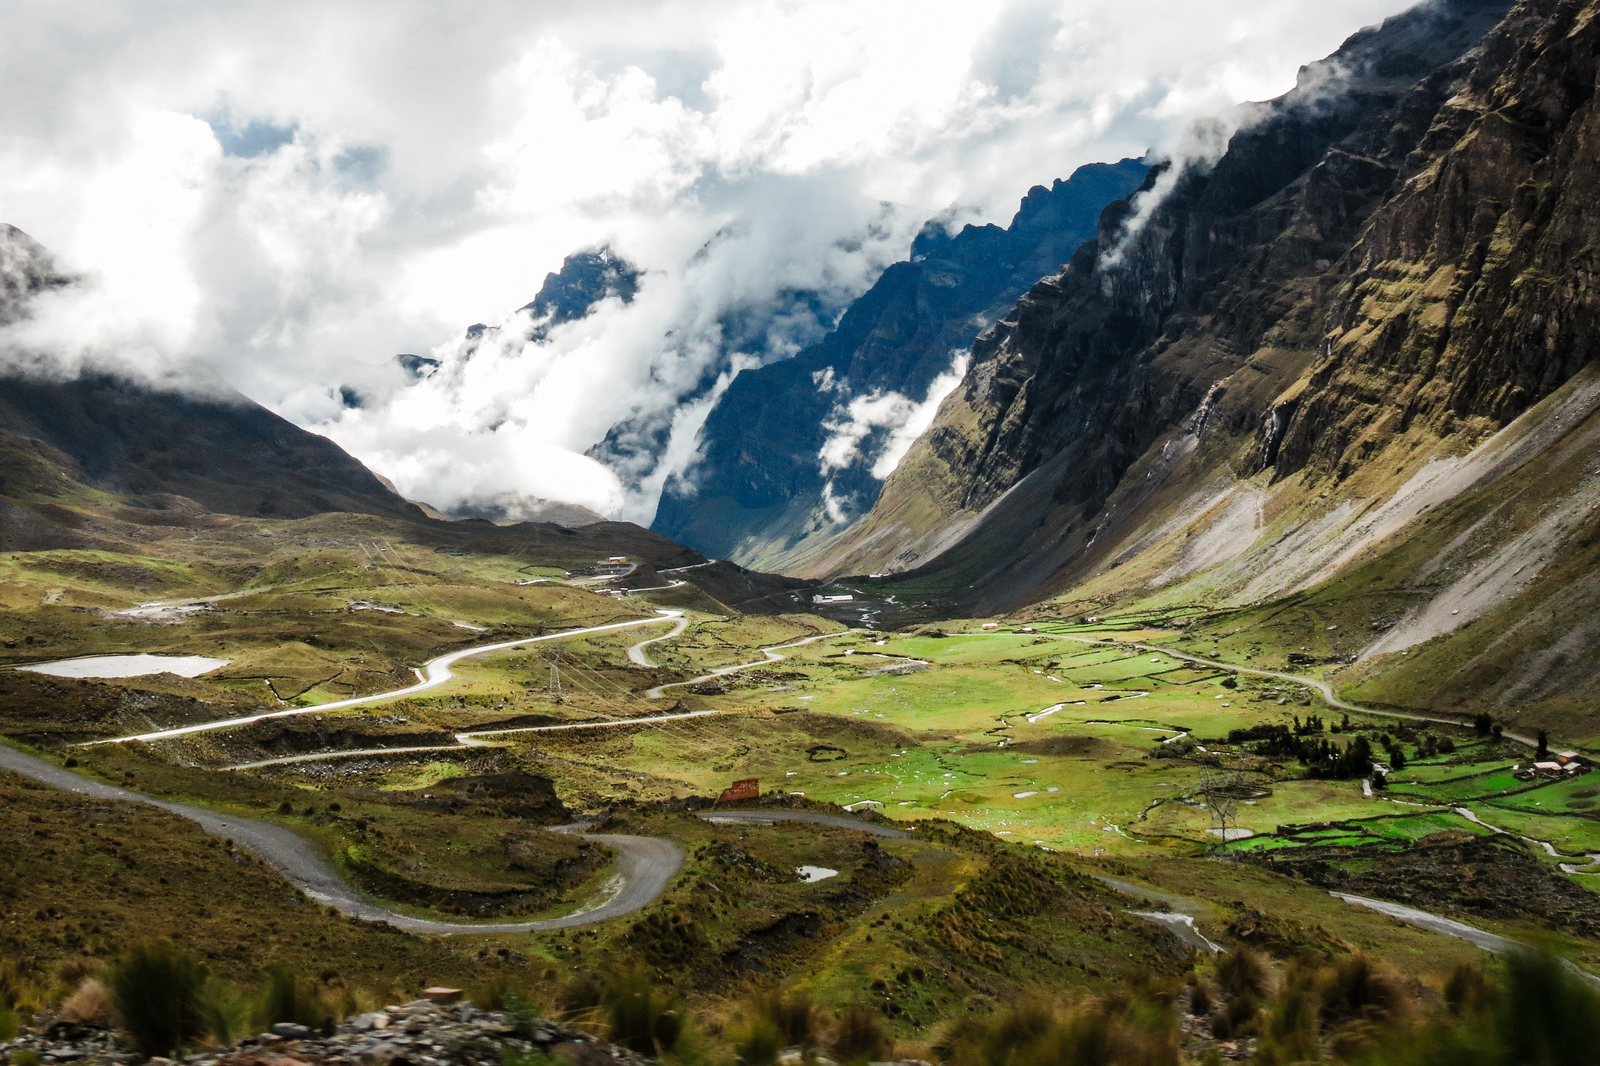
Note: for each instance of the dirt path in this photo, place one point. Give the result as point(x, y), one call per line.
point(470, 739)
point(636, 653)
point(1321, 686)
point(770, 653)
point(838, 821)
point(643, 865)
point(437, 672)
point(1179, 916)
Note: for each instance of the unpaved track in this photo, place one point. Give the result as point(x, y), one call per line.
point(437, 672)
point(1180, 914)
point(1490, 942)
point(470, 739)
point(838, 821)
point(643, 865)
point(636, 653)
point(1321, 686)
point(770, 653)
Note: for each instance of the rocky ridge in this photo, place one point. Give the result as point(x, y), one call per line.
point(1350, 363)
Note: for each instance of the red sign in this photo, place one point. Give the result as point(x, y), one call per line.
point(748, 789)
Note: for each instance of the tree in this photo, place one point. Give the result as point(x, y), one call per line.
point(1544, 746)
point(1482, 723)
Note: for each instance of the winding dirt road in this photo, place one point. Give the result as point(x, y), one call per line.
point(838, 821)
point(643, 865)
point(1321, 686)
point(770, 653)
point(636, 653)
point(435, 673)
point(470, 739)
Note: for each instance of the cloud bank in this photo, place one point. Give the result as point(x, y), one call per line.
point(282, 196)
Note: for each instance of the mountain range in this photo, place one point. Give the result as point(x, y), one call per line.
point(1336, 372)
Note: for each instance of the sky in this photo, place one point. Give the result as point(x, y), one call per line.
point(280, 197)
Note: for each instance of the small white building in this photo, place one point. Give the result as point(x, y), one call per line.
point(819, 598)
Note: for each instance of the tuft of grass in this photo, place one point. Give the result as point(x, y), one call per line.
point(1124, 1030)
point(224, 1011)
point(90, 1005)
point(287, 996)
point(858, 1036)
point(156, 989)
point(758, 1040)
point(774, 1021)
point(638, 1015)
point(633, 1012)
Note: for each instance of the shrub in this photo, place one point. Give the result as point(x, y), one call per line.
point(858, 1037)
point(224, 1012)
point(8, 1025)
point(155, 988)
point(638, 1016)
point(1240, 973)
point(1124, 1030)
point(288, 997)
point(90, 1005)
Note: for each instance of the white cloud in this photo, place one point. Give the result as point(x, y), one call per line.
point(382, 175)
point(920, 417)
point(903, 418)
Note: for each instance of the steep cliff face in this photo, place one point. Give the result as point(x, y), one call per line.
point(795, 451)
point(1357, 405)
point(1184, 317)
point(1471, 294)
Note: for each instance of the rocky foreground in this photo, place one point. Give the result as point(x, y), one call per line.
point(422, 1033)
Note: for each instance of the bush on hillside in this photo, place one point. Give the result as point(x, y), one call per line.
point(156, 989)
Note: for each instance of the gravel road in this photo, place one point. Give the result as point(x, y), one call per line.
point(435, 673)
point(770, 656)
point(636, 653)
point(1322, 687)
point(838, 821)
point(643, 865)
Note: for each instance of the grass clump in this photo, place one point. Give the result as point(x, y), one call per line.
point(628, 1006)
point(858, 1035)
point(156, 989)
point(1126, 1030)
point(773, 1021)
point(287, 996)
